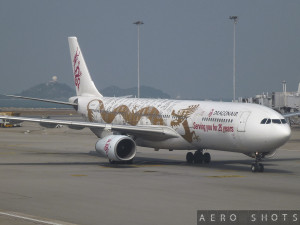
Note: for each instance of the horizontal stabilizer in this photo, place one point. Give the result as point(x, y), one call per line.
point(43, 100)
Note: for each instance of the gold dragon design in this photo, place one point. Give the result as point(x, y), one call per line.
point(130, 117)
point(152, 113)
point(181, 117)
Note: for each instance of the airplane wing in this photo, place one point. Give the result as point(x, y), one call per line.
point(151, 131)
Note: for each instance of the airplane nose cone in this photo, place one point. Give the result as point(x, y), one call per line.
point(283, 135)
point(287, 133)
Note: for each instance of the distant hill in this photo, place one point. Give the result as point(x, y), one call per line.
point(49, 90)
point(62, 92)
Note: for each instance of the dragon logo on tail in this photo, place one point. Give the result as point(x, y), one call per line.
point(76, 69)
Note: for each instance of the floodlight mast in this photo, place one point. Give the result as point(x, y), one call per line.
point(138, 23)
point(234, 18)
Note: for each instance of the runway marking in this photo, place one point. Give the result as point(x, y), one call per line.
point(7, 153)
point(224, 170)
point(28, 218)
point(225, 176)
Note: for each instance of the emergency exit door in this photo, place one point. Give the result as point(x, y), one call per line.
point(243, 121)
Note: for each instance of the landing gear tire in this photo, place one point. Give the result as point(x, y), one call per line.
point(260, 167)
point(256, 166)
point(206, 157)
point(198, 157)
point(189, 157)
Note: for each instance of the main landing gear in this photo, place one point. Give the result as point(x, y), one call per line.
point(198, 157)
point(256, 166)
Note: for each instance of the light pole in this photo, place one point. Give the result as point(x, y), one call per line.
point(234, 18)
point(138, 23)
point(284, 92)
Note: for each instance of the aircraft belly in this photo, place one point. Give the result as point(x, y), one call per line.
point(217, 141)
point(173, 143)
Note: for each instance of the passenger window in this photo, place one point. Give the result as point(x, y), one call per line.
point(276, 121)
point(268, 121)
point(283, 121)
point(263, 121)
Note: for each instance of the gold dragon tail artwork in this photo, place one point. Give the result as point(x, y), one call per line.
point(129, 117)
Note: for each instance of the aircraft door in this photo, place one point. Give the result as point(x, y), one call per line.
point(243, 120)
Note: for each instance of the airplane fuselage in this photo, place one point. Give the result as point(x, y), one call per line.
point(201, 124)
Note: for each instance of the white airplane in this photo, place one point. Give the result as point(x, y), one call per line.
point(124, 123)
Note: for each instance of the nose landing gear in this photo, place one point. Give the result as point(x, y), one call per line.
point(198, 157)
point(256, 166)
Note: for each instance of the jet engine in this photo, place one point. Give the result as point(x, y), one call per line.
point(116, 147)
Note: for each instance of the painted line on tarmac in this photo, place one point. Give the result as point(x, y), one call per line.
point(225, 176)
point(7, 153)
point(28, 218)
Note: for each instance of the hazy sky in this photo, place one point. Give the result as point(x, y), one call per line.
point(186, 47)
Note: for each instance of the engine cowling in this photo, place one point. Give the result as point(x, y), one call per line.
point(116, 147)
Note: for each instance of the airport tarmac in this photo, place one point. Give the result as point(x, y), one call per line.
point(54, 176)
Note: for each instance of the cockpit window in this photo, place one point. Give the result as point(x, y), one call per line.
point(263, 121)
point(283, 121)
point(276, 121)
